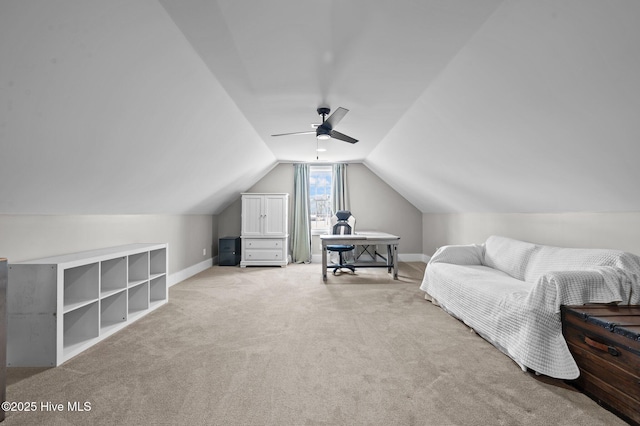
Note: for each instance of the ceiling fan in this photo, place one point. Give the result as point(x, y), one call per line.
point(325, 130)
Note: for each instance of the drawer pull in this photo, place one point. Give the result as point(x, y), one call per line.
point(601, 346)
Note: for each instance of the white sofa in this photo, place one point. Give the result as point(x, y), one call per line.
point(510, 293)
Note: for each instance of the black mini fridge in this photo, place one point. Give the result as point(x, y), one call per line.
point(229, 251)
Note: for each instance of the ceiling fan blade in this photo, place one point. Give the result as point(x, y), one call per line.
point(342, 137)
point(313, 132)
point(336, 116)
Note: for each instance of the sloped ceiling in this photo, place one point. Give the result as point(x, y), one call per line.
point(460, 105)
point(538, 112)
point(107, 109)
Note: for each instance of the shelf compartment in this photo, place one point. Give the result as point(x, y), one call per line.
point(138, 299)
point(158, 261)
point(113, 275)
point(158, 289)
point(80, 327)
point(138, 267)
point(113, 311)
point(80, 285)
point(110, 293)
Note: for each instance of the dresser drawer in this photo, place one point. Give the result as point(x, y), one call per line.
point(254, 255)
point(264, 251)
point(263, 243)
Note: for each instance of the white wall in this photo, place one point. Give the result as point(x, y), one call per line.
point(620, 231)
point(26, 237)
point(375, 205)
point(379, 207)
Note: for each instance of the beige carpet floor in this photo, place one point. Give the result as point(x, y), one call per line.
point(277, 346)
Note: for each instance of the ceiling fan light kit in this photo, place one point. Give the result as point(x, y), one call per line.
point(325, 130)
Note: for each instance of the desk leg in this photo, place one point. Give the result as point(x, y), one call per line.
point(395, 261)
point(324, 262)
point(389, 258)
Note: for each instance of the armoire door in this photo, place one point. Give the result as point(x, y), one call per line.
point(275, 215)
point(252, 215)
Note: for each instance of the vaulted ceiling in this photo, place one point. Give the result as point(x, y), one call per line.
point(168, 106)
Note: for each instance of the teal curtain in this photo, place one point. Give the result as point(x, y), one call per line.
point(301, 230)
point(339, 193)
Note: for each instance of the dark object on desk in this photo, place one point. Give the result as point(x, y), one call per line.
point(229, 251)
point(344, 224)
point(605, 343)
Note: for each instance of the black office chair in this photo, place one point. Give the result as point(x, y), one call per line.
point(343, 224)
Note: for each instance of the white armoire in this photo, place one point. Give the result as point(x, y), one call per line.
point(265, 229)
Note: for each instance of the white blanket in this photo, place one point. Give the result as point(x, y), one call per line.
point(510, 293)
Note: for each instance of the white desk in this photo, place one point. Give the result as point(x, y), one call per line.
point(364, 239)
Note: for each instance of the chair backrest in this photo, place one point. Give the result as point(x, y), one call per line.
point(343, 223)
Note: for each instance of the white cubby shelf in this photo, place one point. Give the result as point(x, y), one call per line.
point(59, 306)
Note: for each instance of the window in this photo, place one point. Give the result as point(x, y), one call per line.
point(320, 198)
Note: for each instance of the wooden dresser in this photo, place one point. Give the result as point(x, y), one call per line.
point(605, 343)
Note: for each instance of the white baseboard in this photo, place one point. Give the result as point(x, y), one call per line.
point(179, 276)
point(412, 257)
point(403, 257)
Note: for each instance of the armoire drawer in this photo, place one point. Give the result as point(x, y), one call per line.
point(263, 243)
point(253, 255)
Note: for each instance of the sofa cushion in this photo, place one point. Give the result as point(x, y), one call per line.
point(508, 255)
